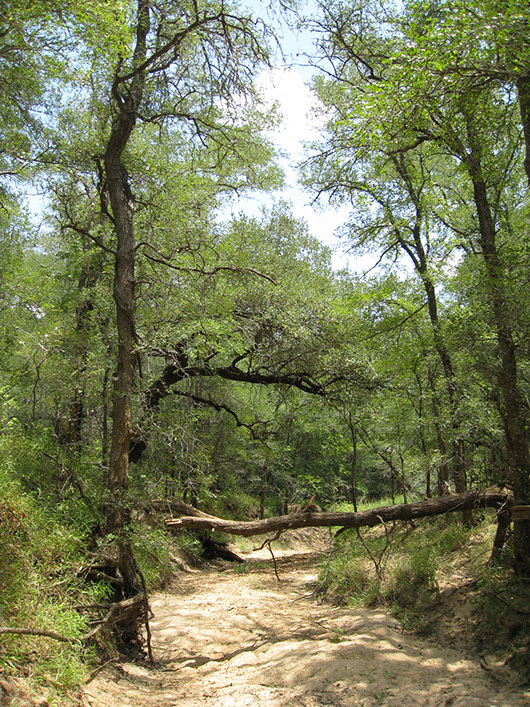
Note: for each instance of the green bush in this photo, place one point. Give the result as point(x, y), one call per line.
point(409, 577)
point(412, 577)
point(152, 550)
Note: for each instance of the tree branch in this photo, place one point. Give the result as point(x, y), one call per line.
point(221, 406)
point(182, 268)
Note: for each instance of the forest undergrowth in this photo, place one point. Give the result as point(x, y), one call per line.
point(434, 576)
point(47, 546)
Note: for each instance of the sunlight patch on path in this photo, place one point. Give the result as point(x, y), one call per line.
point(232, 638)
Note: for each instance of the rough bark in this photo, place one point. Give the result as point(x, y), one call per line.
point(523, 96)
point(375, 516)
point(514, 411)
point(127, 99)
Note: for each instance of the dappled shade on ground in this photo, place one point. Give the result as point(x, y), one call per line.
point(240, 637)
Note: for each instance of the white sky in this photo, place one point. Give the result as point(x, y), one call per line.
point(287, 86)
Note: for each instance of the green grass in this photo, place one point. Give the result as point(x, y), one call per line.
point(42, 549)
point(38, 561)
point(416, 562)
point(408, 561)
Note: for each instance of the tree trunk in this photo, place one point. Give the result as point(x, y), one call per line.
point(403, 479)
point(443, 473)
point(70, 422)
point(122, 205)
point(459, 474)
point(354, 472)
point(515, 417)
point(523, 97)
point(375, 516)
point(419, 258)
point(263, 490)
point(353, 466)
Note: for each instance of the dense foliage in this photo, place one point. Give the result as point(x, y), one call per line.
point(153, 347)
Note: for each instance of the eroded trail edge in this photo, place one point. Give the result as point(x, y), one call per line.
point(236, 636)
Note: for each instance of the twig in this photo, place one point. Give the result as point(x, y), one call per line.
point(269, 540)
point(94, 672)
point(274, 561)
point(379, 565)
point(37, 632)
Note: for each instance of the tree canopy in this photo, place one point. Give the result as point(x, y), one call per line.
point(154, 347)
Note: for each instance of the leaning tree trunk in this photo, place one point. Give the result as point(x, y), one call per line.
point(419, 257)
point(459, 474)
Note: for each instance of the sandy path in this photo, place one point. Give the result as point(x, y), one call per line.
point(231, 638)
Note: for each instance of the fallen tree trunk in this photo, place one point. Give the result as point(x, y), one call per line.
point(175, 506)
point(374, 516)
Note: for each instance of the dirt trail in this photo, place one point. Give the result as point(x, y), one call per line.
point(233, 638)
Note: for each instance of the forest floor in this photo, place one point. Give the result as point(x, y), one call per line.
point(230, 635)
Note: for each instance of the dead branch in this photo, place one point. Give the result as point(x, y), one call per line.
point(37, 632)
point(269, 540)
point(274, 561)
point(118, 608)
point(370, 518)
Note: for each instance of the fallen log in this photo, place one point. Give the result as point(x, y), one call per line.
point(175, 506)
point(374, 516)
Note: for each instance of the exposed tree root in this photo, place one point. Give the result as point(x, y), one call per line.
point(37, 632)
point(116, 612)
